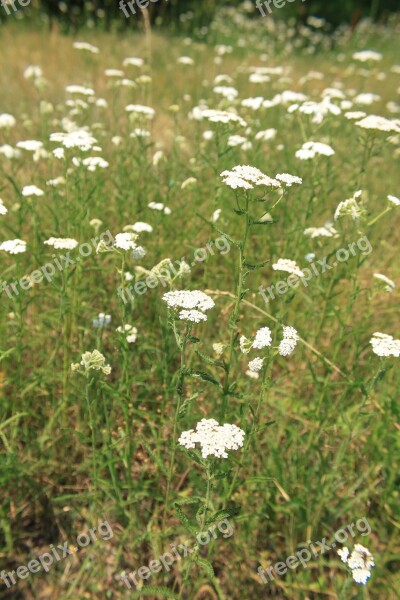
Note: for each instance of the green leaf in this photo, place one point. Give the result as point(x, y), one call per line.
point(184, 520)
point(256, 266)
point(224, 513)
point(205, 377)
point(211, 361)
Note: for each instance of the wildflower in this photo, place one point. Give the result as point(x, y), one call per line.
point(56, 182)
point(189, 300)
point(326, 231)
point(263, 338)
point(138, 253)
point(230, 93)
point(33, 72)
point(159, 206)
point(102, 321)
point(32, 190)
point(256, 365)
point(91, 361)
point(131, 331)
point(245, 177)
point(288, 180)
point(3, 209)
point(218, 349)
point(188, 182)
point(252, 374)
point(7, 121)
point(289, 266)
point(355, 115)
point(94, 162)
point(289, 342)
point(389, 285)
point(394, 200)
point(214, 439)
point(360, 562)
point(85, 46)
point(194, 316)
point(185, 60)
point(379, 124)
point(79, 89)
point(222, 116)
point(245, 345)
point(216, 215)
point(146, 111)
point(350, 207)
point(79, 138)
point(310, 150)
point(114, 73)
point(385, 345)
point(13, 246)
point(135, 62)
point(9, 152)
point(265, 136)
point(61, 243)
point(30, 145)
point(365, 55)
point(140, 227)
point(125, 241)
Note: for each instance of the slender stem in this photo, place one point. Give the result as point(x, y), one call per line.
point(235, 315)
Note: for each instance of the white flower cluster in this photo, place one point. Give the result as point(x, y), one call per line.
point(13, 246)
point(214, 439)
point(310, 150)
point(263, 338)
point(80, 138)
point(350, 207)
point(102, 321)
point(385, 345)
point(246, 177)
point(125, 241)
point(289, 266)
point(378, 123)
point(360, 562)
point(3, 209)
point(131, 331)
point(388, 284)
point(194, 304)
point(289, 342)
point(61, 243)
point(92, 361)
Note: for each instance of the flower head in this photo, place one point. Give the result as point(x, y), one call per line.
point(91, 361)
point(360, 562)
point(385, 345)
point(289, 342)
point(214, 439)
point(13, 246)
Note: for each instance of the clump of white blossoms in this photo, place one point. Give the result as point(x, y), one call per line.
point(91, 361)
point(360, 562)
point(263, 338)
point(13, 246)
point(310, 150)
point(326, 231)
point(131, 331)
point(61, 243)
point(288, 179)
point(289, 342)
point(3, 209)
point(378, 123)
point(246, 177)
point(289, 266)
point(385, 345)
point(189, 300)
point(394, 200)
point(102, 321)
point(350, 207)
point(387, 283)
point(214, 439)
point(79, 138)
point(32, 190)
point(86, 46)
point(256, 365)
point(125, 241)
point(366, 55)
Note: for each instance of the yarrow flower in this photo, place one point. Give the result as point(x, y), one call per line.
point(13, 246)
point(379, 124)
point(32, 190)
point(125, 241)
point(263, 338)
point(189, 300)
point(394, 200)
point(194, 316)
point(3, 209)
point(131, 331)
point(289, 342)
point(360, 562)
point(256, 365)
point(288, 179)
point(365, 55)
point(289, 266)
point(91, 361)
point(214, 439)
point(350, 207)
point(61, 243)
point(385, 345)
point(310, 150)
point(246, 177)
point(388, 284)
point(102, 321)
